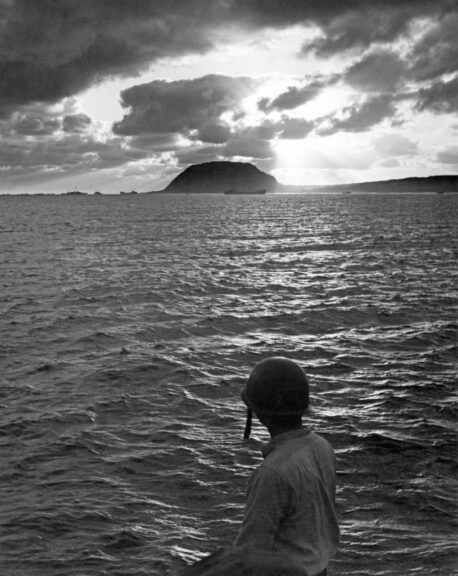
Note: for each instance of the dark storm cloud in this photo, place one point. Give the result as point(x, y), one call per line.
point(46, 142)
point(294, 128)
point(65, 155)
point(359, 29)
point(76, 122)
point(359, 24)
point(439, 97)
point(30, 125)
point(436, 52)
point(153, 142)
point(214, 133)
point(380, 71)
point(352, 23)
point(360, 116)
point(293, 97)
point(252, 143)
point(182, 106)
point(53, 49)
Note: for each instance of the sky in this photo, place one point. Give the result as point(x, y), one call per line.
point(114, 95)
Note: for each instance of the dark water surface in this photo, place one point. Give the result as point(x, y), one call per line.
point(128, 327)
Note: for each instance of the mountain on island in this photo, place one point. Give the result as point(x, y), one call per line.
point(438, 184)
point(216, 177)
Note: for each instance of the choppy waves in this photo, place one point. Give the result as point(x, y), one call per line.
point(129, 325)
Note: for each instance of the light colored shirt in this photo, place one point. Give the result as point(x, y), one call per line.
point(290, 501)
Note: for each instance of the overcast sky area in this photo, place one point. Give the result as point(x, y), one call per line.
point(117, 95)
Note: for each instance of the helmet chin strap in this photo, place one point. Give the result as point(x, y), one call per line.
point(249, 418)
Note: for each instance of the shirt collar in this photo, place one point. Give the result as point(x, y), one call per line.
point(280, 439)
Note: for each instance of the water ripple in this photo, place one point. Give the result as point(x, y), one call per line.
point(129, 326)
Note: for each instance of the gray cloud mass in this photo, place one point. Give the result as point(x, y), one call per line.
point(439, 97)
point(379, 71)
point(361, 115)
point(75, 122)
point(50, 50)
point(182, 106)
point(294, 96)
point(392, 52)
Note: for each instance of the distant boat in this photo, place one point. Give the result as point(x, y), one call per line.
point(75, 193)
point(346, 193)
point(236, 191)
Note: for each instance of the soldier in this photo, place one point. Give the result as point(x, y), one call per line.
point(290, 497)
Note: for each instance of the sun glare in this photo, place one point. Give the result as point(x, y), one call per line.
point(292, 161)
point(316, 160)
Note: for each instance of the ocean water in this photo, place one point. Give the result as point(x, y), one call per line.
point(128, 327)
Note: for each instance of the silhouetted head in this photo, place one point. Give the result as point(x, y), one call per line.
point(278, 392)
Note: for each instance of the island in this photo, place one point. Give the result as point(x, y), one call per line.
point(224, 177)
point(431, 184)
point(221, 177)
